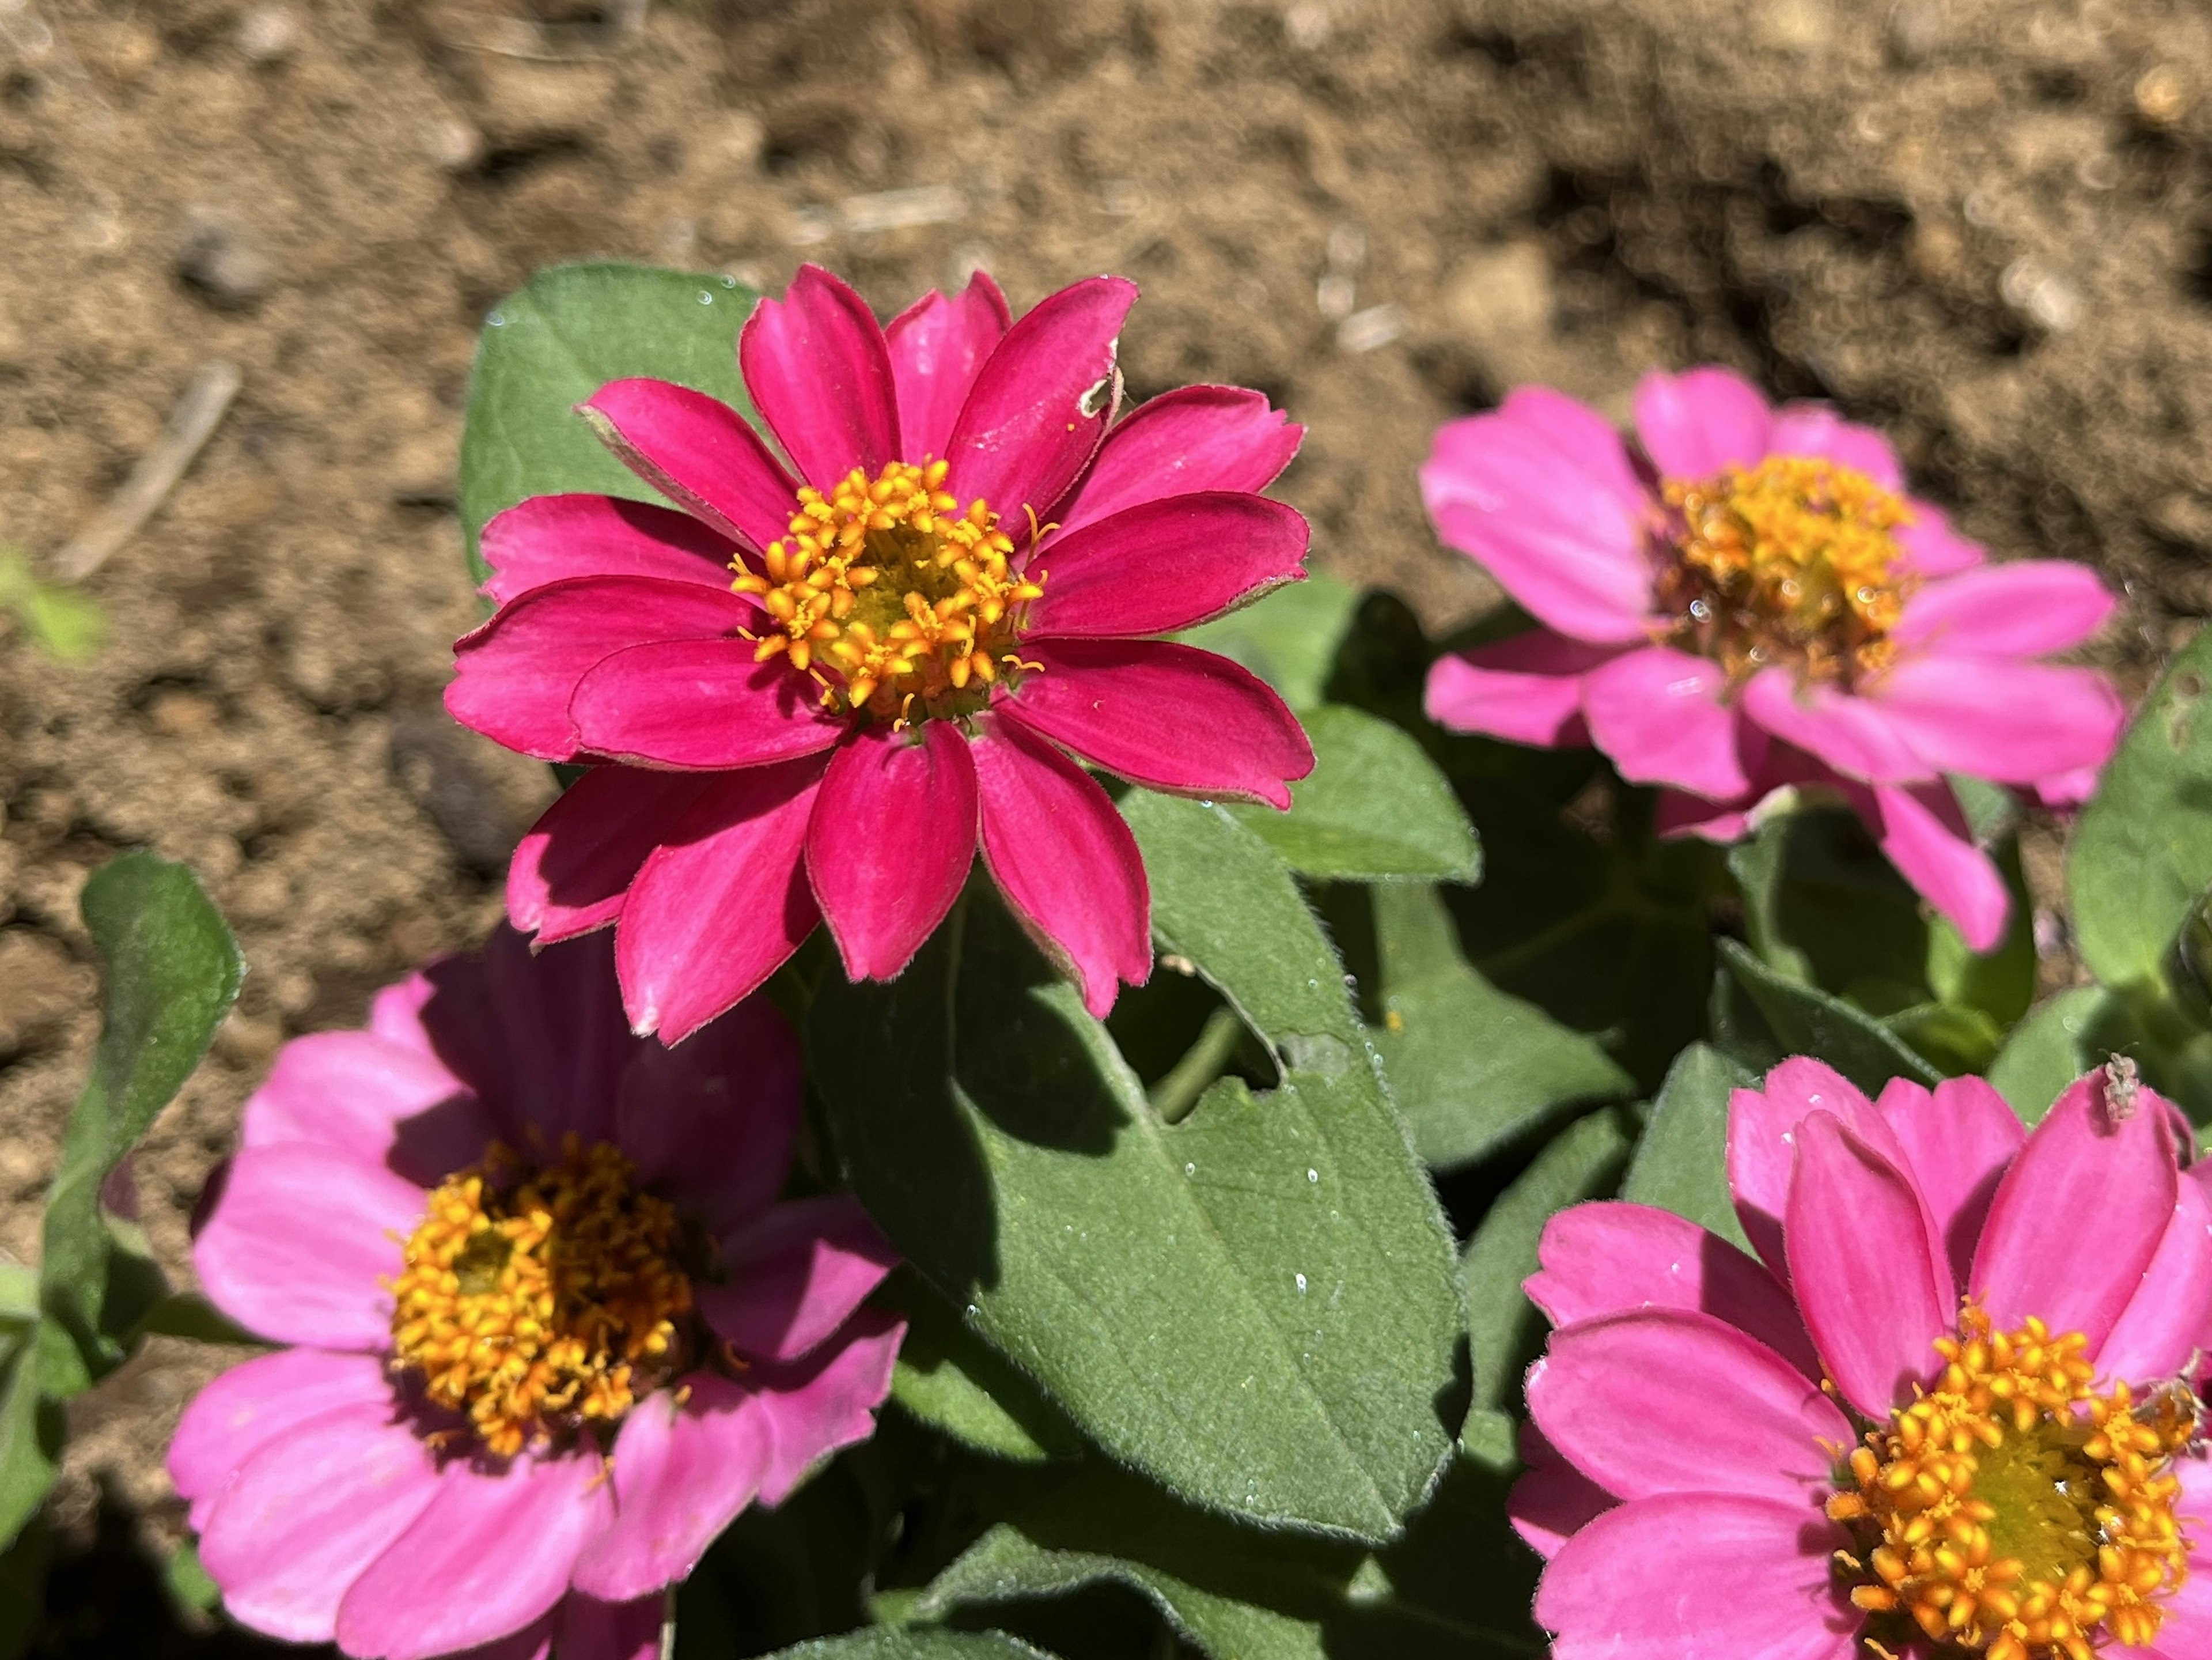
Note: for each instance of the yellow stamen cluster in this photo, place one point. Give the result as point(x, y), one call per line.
point(2012, 1509)
point(895, 588)
point(1793, 562)
point(534, 1301)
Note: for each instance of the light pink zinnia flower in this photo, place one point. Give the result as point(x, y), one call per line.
point(1839, 1448)
point(955, 588)
point(549, 1327)
point(1748, 600)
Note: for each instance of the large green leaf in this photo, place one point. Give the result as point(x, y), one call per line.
point(1374, 807)
point(1289, 638)
point(2051, 1049)
point(890, 1643)
point(1805, 1020)
point(172, 973)
point(30, 1444)
point(549, 347)
point(951, 1379)
point(1681, 1162)
point(1823, 907)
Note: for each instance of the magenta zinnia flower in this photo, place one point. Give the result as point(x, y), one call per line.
point(548, 1326)
point(811, 694)
point(1749, 601)
point(1949, 1415)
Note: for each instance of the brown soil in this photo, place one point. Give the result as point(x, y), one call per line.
point(1982, 223)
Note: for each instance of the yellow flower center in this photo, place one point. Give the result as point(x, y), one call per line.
point(894, 589)
point(535, 1302)
point(2012, 1509)
point(1794, 562)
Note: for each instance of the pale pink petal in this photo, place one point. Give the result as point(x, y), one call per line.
point(1041, 401)
point(1854, 735)
point(820, 375)
point(703, 705)
point(1528, 689)
point(551, 539)
point(592, 1630)
point(2066, 789)
point(1815, 430)
point(796, 1274)
point(699, 452)
point(1873, 1284)
point(1066, 861)
point(827, 1401)
point(371, 1100)
point(2160, 1328)
point(1630, 1399)
point(298, 1242)
point(513, 677)
point(1610, 1258)
point(710, 1124)
point(2011, 722)
point(1658, 714)
point(2079, 1215)
point(1191, 439)
point(1171, 716)
point(571, 869)
point(719, 906)
point(1923, 833)
point(2028, 609)
point(1700, 1576)
point(1553, 1500)
point(1957, 1141)
point(2186, 1633)
point(890, 841)
point(681, 1475)
point(1583, 438)
point(938, 345)
point(1695, 424)
point(1932, 548)
point(261, 1403)
point(395, 1013)
point(307, 1513)
point(1762, 1143)
point(1166, 565)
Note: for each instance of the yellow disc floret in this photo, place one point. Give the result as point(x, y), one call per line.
point(1793, 562)
point(900, 593)
point(2012, 1509)
point(535, 1302)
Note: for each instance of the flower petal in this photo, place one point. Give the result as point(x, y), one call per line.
point(1064, 860)
point(1957, 1142)
point(1553, 1500)
point(593, 1630)
point(571, 870)
point(513, 677)
point(796, 1274)
point(890, 841)
point(1630, 1400)
point(820, 374)
point(1041, 401)
point(1191, 439)
point(2027, 609)
point(2011, 722)
point(1815, 430)
point(826, 1400)
point(371, 1100)
point(704, 705)
point(710, 1122)
point(2079, 1214)
point(1923, 833)
point(1762, 1143)
point(1699, 1577)
point(298, 1244)
point(1874, 1288)
point(1932, 548)
point(1528, 689)
point(1658, 714)
point(718, 907)
point(1854, 735)
point(1169, 716)
point(2164, 1322)
point(938, 346)
point(1166, 565)
point(264, 1402)
point(700, 454)
point(553, 538)
point(1697, 423)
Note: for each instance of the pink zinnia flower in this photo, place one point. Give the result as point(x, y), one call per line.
point(810, 694)
point(548, 1328)
point(1949, 1415)
point(1745, 599)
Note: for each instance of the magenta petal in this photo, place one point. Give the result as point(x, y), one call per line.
point(552, 539)
point(1957, 1142)
point(371, 1100)
point(2028, 609)
point(1166, 565)
point(1762, 1145)
point(571, 871)
point(1553, 1500)
point(710, 1122)
point(1527, 688)
point(700, 454)
point(267, 1400)
point(2012, 722)
point(309, 1512)
point(719, 906)
point(826, 1400)
point(1695, 424)
point(515, 676)
point(1174, 717)
point(593, 1630)
point(1854, 735)
point(1924, 834)
point(2164, 1322)
point(1601, 1259)
point(703, 705)
point(1035, 417)
point(1817, 430)
point(1700, 1576)
point(891, 841)
point(1932, 548)
point(682, 1473)
point(1066, 861)
point(1630, 1400)
point(820, 374)
point(796, 1274)
point(1658, 714)
point(938, 346)
point(296, 1247)
point(2079, 1215)
point(1874, 1291)
point(1191, 439)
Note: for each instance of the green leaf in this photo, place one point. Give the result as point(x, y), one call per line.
point(1681, 1162)
point(2050, 1049)
point(550, 346)
point(61, 621)
point(1374, 807)
point(950, 1379)
point(1471, 1066)
point(1823, 907)
point(1808, 1021)
point(1289, 638)
point(889, 1642)
point(188, 1582)
point(2142, 850)
point(187, 1314)
point(172, 973)
point(30, 1443)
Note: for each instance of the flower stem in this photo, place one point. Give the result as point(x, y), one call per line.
point(1177, 1093)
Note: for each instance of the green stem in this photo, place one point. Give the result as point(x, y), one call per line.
point(1175, 1095)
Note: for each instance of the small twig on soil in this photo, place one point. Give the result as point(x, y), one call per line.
point(191, 423)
